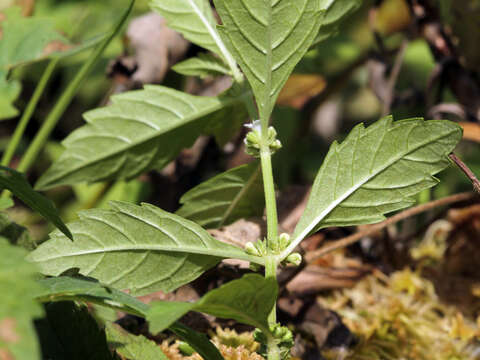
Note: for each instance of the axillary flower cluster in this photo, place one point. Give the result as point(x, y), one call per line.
point(261, 248)
point(253, 140)
point(253, 145)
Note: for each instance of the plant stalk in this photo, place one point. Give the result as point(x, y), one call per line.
point(67, 96)
point(273, 352)
point(269, 189)
point(27, 114)
point(271, 273)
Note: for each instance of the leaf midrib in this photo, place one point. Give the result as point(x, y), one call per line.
point(217, 40)
point(268, 70)
point(335, 203)
point(106, 155)
point(226, 254)
point(239, 196)
point(213, 33)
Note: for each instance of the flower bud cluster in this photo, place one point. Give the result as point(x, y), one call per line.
point(253, 139)
point(276, 246)
point(283, 337)
point(257, 248)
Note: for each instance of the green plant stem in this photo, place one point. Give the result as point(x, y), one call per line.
point(67, 96)
point(272, 234)
point(267, 174)
point(27, 114)
point(271, 273)
point(269, 188)
point(273, 352)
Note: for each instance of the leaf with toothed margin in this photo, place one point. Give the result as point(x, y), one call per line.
point(335, 12)
point(248, 300)
point(195, 21)
point(376, 170)
point(89, 290)
point(267, 39)
point(225, 198)
point(140, 248)
point(203, 66)
point(25, 40)
point(16, 182)
point(131, 346)
point(85, 289)
point(141, 130)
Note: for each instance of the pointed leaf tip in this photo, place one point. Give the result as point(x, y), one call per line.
point(376, 170)
point(15, 182)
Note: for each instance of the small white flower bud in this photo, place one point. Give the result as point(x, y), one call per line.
point(294, 258)
point(284, 240)
point(251, 249)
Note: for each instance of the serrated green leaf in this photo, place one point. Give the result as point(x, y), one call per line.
point(22, 40)
point(376, 170)
point(29, 39)
point(335, 12)
point(18, 309)
point(131, 346)
point(203, 65)
point(195, 21)
point(70, 332)
point(9, 92)
point(19, 186)
point(26, 39)
point(248, 300)
point(232, 195)
point(268, 38)
point(140, 248)
point(141, 130)
point(85, 289)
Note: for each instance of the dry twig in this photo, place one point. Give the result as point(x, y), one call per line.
point(392, 220)
point(466, 170)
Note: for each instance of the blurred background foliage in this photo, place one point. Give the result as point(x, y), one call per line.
point(340, 83)
point(408, 58)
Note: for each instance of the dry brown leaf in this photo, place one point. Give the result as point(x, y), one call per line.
point(315, 278)
point(300, 88)
point(157, 47)
point(471, 131)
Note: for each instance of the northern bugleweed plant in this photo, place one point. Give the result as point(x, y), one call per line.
point(374, 171)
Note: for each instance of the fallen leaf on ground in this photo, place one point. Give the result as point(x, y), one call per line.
point(471, 131)
point(300, 88)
